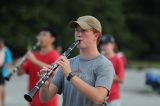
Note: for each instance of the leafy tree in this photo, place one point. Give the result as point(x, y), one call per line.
point(125, 19)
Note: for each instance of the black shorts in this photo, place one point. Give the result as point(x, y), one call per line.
point(2, 80)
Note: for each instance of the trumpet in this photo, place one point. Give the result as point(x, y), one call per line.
point(29, 96)
point(15, 69)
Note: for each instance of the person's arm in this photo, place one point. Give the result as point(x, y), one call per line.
point(119, 76)
point(47, 91)
point(40, 63)
point(2, 55)
point(51, 87)
point(30, 56)
point(118, 79)
point(20, 71)
point(98, 93)
point(23, 68)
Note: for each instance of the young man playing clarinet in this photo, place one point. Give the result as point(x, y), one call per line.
point(36, 60)
point(86, 79)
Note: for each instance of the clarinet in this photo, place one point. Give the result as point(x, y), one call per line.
point(15, 69)
point(29, 96)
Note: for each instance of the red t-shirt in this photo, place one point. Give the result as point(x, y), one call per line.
point(122, 57)
point(32, 69)
point(119, 71)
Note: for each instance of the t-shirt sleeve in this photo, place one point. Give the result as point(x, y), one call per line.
point(104, 76)
point(8, 57)
point(58, 80)
point(120, 68)
point(25, 66)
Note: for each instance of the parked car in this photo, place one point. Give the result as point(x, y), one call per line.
point(153, 79)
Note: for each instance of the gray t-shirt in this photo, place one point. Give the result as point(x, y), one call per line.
point(96, 72)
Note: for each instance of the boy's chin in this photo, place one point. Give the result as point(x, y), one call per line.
point(81, 46)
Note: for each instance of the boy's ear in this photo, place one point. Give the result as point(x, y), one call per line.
point(53, 39)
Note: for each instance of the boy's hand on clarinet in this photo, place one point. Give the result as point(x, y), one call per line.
point(65, 64)
point(43, 71)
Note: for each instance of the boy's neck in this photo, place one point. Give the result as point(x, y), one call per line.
point(89, 53)
point(46, 49)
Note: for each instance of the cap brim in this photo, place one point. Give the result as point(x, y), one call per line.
point(83, 25)
point(104, 42)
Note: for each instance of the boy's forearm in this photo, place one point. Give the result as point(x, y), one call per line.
point(44, 94)
point(118, 79)
point(20, 71)
point(47, 92)
point(40, 64)
point(95, 94)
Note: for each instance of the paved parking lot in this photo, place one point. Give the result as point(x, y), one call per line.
point(132, 91)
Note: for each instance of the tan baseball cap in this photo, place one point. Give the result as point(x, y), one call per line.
point(87, 22)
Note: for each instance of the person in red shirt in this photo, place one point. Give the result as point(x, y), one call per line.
point(109, 49)
point(123, 57)
point(38, 59)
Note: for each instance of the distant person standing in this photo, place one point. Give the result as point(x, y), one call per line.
point(5, 61)
point(1, 77)
point(47, 55)
point(109, 49)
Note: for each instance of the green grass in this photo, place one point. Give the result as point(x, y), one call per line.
point(136, 64)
